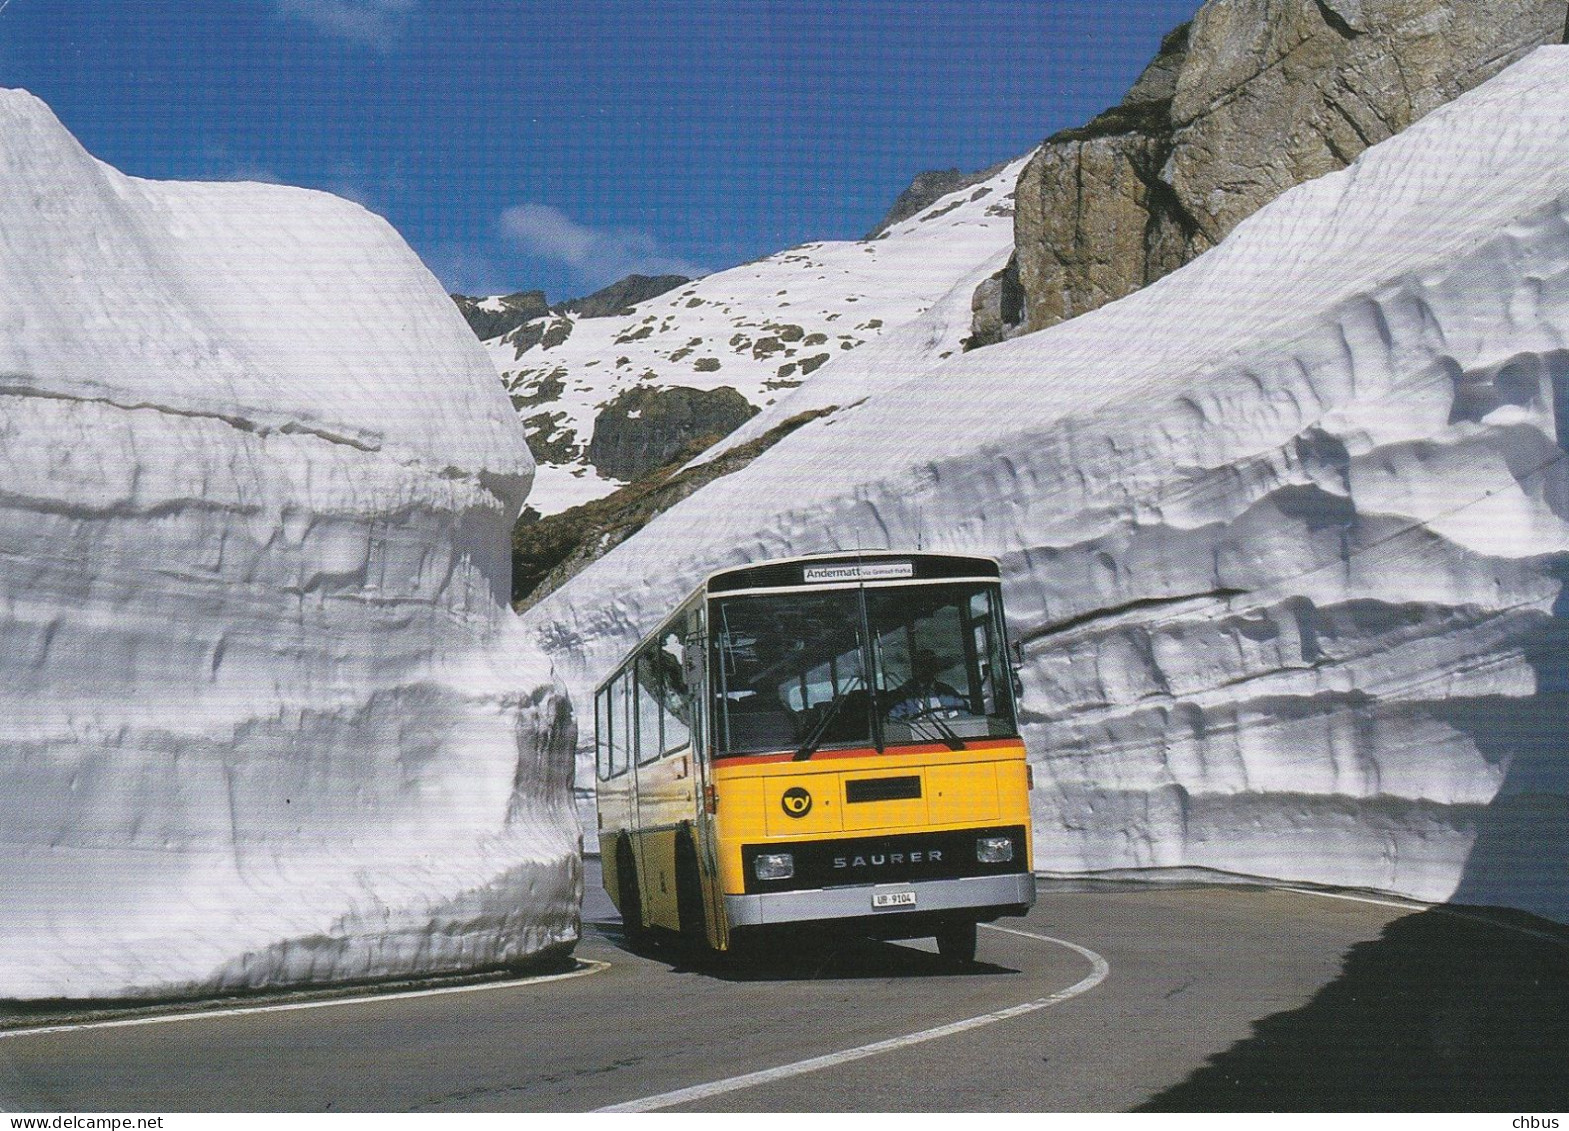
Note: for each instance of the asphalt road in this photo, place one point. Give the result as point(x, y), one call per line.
point(1105, 998)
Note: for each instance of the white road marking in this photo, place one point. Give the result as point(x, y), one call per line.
point(1097, 975)
point(1442, 909)
point(587, 966)
point(1413, 905)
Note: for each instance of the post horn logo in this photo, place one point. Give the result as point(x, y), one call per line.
point(796, 802)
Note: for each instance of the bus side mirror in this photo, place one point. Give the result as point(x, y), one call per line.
point(692, 659)
point(1016, 653)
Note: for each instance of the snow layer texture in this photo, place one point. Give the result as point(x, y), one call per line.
point(1283, 535)
point(267, 717)
point(763, 328)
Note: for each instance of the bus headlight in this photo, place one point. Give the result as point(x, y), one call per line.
point(994, 849)
point(776, 866)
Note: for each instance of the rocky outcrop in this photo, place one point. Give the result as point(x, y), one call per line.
point(546, 333)
point(1253, 97)
point(997, 308)
point(549, 551)
point(621, 296)
point(525, 316)
point(926, 189)
point(549, 440)
point(492, 317)
point(643, 428)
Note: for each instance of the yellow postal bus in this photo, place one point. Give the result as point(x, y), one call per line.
point(828, 741)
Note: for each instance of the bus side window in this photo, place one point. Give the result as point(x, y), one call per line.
point(648, 738)
point(601, 737)
point(675, 698)
point(981, 652)
point(617, 715)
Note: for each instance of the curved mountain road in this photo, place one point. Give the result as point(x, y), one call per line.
point(1105, 998)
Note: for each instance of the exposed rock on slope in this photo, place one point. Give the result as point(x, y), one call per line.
point(501, 314)
point(1284, 534)
point(267, 716)
point(644, 428)
point(926, 190)
point(550, 551)
point(620, 297)
point(754, 332)
point(1254, 97)
point(507, 314)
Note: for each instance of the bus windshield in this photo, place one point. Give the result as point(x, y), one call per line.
point(859, 667)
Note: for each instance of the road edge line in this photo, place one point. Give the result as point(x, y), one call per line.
point(1100, 969)
point(1442, 909)
point(587, 966)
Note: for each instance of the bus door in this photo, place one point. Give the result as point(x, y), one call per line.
point(666, 767)
point(694, 665)
point(643, 711)
point(618, 792)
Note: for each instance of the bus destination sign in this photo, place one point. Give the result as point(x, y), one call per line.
point(858, 571)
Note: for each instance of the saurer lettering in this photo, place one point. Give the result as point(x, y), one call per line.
point(880, 859)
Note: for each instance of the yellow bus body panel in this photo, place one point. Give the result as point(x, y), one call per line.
point(982, 785)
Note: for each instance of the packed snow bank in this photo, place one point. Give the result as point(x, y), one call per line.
point(1283, 535)
point(267, 715)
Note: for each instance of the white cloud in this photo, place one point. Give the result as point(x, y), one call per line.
point(370, 23)
point(597, 255)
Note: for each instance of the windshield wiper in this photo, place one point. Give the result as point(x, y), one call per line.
point(815, 739)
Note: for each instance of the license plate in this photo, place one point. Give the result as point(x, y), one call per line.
point(893, 899)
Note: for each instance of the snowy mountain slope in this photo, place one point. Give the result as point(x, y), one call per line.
point(761, 329)
point(267, 715)
point(1283, 534)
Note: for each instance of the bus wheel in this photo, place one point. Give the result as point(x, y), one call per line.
point(956, 941)
point(632, 929)
point(689, 904)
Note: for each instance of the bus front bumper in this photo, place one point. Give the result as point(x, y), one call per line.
point(988, 896)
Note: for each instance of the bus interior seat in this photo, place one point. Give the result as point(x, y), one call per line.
point(849, 721)
point(757, 725)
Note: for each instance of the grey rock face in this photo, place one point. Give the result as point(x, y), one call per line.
point(997, 308)
point(621, 296)
point(1252, 98)
point(517, 309)
point(1276, 92)
point(1094, 220)
point(549, 441)
point(521, 313)
point(545, 332)
point(645, 428)
point(925, 189)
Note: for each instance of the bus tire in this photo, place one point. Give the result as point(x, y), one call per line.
point(956, 941)
point(689, 903)
point(631, 903)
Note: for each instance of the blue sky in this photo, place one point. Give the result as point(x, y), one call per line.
point(520, 145)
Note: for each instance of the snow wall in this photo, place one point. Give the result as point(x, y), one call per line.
point(1283, 535)
point(265, 716)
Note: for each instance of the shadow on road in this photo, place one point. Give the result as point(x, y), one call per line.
point(1443, 1012)
point(806, 956)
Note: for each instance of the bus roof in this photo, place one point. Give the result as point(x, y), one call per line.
point(856, 565)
